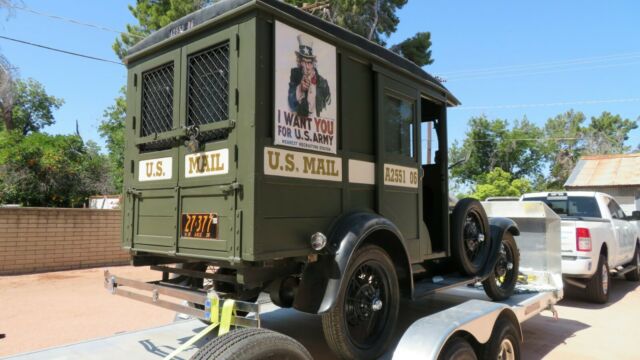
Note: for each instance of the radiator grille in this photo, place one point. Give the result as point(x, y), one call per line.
point(157, 100)
point(208, 86)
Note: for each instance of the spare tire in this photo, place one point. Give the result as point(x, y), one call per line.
point(470, 242)
point(252, 344)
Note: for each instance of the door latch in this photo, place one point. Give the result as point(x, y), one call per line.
point(234, 186)
point(134, 192)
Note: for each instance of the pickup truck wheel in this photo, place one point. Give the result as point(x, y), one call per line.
point(502, 281)
point(599, 285)
point(503, 344)
point(252, 344)
point(469, 236)
point(457, 349)
point(635, 274)
point(361, 323)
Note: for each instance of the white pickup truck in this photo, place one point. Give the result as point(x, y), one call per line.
point(598, 240)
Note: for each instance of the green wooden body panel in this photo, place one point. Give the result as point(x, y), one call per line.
point(269, 217)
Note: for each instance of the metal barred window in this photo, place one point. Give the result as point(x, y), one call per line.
point(157, 100)
point(208, 85)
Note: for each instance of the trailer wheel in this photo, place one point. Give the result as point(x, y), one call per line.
point(635, 274)
point(470, 236)
point(252, 344)
point(502, 281)
point(600, 283)
point(504, 343)
point(457, 349)
point(361, 323)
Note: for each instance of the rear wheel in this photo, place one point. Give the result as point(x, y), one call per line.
point(457, 349)
point(634, 275)
point(470, 236)
point(252, 344)
point(599, 285)
point(361, 323)
point(502, 281)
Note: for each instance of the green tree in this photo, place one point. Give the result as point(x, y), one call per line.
point(493, 143)
point(565, 146)
point(374, 20)
point(607, 134)
point(153, 15)
point(49, 170)
point(498, 182)
point(112, 129)
point(30, 108)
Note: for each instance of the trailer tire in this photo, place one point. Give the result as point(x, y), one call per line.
point(599, 286)
point(369, 298)
point(470, 236)
point(502, 281)
point(504, 343)
point(635, 274)
point(457, 349)
point(252, 344)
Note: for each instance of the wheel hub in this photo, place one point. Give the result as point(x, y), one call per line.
point(376, 305)
point(506, 350)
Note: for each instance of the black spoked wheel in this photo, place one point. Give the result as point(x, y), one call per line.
point(470, 236)
point(501, 283)
point(360, 325)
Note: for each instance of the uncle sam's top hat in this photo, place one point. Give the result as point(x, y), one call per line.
point(305, 46)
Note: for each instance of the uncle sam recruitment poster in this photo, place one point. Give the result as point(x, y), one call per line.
point(305, 91)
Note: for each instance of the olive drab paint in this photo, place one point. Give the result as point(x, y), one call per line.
point(292, 131)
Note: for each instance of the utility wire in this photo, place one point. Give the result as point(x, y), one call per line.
point(522, 67)
point(73, 21)
point(517, 106)
point(61, 51)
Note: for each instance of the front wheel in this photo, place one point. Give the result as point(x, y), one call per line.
point(504, 343)
point(502, 281)
point(361, 323)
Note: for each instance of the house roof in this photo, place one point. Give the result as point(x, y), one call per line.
point(606, 170)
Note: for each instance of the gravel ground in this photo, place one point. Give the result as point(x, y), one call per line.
point(44, 310)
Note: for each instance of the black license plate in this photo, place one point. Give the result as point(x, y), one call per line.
point(200, 225)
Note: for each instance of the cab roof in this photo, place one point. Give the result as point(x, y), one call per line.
point(224, 8)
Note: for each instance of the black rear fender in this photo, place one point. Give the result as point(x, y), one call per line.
point(321, 280)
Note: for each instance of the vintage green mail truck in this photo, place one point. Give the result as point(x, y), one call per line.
point(270, 151)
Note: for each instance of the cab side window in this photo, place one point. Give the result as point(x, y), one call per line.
point(616, 211)
point(399, 126)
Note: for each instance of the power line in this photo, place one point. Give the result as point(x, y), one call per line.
point(61, 51)
point(73, 21)
point(521, 67)
point(516, 106)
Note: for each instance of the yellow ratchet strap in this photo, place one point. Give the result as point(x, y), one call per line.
point(227, 316)
point(213, 306)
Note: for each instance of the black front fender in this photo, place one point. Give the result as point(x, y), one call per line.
point(498, 226)
point(321, 281)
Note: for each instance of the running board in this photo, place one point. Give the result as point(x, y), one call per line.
point(201, 303)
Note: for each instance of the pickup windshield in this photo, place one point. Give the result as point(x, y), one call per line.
point(571, 206)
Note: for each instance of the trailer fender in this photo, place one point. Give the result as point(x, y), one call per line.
point(498, 226)
point(476, 319)
point(321, 280)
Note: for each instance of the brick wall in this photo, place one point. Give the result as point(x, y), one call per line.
point(49, 239)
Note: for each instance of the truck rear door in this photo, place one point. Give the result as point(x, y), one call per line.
point(181, 196)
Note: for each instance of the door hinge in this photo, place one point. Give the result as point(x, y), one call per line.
point(135, 80)
point(134, 192)
point(132, 169)
point(238, 44)
point(134, 123)
point(235, 155)
point(237, 99)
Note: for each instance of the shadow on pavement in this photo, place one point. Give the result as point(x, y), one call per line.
point(575, 297)
point(542, 334)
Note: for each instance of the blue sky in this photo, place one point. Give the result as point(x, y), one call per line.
point(492, 53)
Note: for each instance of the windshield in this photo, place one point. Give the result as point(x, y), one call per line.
point(565, 206)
